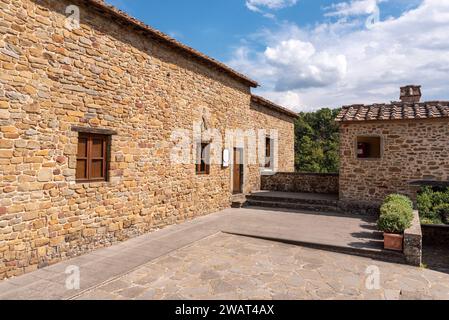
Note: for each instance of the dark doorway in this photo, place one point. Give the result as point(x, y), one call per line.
point(237, 171)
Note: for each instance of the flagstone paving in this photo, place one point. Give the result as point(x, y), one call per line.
point(207, 258)
point(224, 266)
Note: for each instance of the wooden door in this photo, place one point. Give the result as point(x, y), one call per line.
point(238, 171)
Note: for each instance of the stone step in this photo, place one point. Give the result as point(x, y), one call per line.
point(287, 199)
point(238, 201)
point(238, 204)
point(373, 253)
point(316, 207)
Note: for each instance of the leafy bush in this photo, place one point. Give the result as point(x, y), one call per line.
point(398, 208)
point(399, 198)
point(443, 211)
point(394, 223)
point(396, 214)
point(428, 202)
point(425, 204)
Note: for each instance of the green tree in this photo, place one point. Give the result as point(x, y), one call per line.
point(317, 141)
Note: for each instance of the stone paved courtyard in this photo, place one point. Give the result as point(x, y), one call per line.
point(207, 258)
point(224, 266)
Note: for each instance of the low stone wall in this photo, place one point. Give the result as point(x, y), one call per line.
point(301, 182)
point(435, 235)
point(359, 207)
point(413, 242)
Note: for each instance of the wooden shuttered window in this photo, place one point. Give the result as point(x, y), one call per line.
point(92, 159)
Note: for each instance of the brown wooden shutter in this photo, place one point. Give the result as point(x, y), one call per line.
point(92, 158)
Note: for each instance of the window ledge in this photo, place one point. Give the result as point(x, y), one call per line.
point(97, 184)
point(107, 132)
point(267, 171)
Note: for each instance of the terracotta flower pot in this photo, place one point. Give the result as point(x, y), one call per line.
point(394, 241)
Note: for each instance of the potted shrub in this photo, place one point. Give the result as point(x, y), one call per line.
point(399, 198)
point(396, 216)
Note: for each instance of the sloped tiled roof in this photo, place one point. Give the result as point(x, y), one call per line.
point(395, 111)
point(124, 17)
point(271, 105)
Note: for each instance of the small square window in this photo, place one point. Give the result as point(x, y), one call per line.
point(92, 159)
point(369, 147)
point(203, 162)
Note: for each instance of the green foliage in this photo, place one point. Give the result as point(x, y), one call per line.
point(443, 211)
point(425, 205)
point(431, 204)
point(393, 223)
point(399, 198)
point(397, 207)
point(317, 142)
point(396, 214)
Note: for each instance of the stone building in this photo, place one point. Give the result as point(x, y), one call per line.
point(90, 113)
point(392, 148)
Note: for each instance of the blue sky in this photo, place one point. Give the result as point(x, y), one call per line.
point(311, 53)
point(214, 26)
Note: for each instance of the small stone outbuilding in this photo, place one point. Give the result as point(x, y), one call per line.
point(392, 148)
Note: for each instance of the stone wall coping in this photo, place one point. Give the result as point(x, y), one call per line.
point(415, 229)
point(430, 183)
point(436, 226)
point(413, 241)
point(309, 174)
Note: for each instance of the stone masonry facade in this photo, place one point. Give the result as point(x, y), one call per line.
point(412, 150)
point(106, 75)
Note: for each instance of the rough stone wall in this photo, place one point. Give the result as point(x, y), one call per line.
point(269, 119)
point(413, 242)
point(301, 182)
point(435, 235)
point(412, 150)
point(103, 75)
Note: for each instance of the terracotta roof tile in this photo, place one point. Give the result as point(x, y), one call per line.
point(111, 10)
point(395, 111)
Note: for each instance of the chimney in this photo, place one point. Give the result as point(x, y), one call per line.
point(411, 94)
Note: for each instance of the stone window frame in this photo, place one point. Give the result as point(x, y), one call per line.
point(382, 144)
point(106, 134)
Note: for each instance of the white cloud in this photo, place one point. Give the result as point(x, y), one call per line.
point(257, 5)
point(299, 65)
point(289, 99)
point(339, 63)
point(354, 8)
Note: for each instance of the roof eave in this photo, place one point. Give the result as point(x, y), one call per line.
point(171, 42)
point(266, 103)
